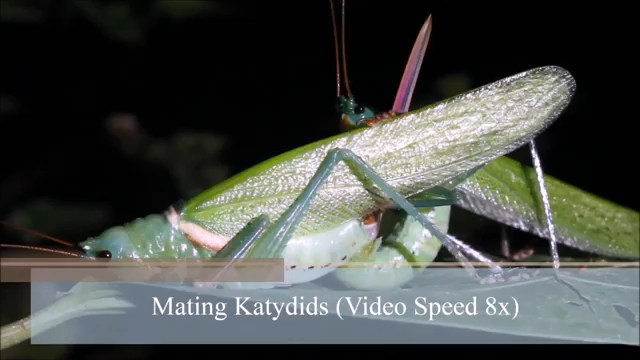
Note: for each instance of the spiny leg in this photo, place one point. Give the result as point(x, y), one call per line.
point(394, 259)
point(238, 246)
point(546, 221)
point(273, 241)
point(546, 205)
point(550, 224)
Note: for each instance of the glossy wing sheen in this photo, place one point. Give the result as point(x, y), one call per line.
point(504, 190)
point(414, 152)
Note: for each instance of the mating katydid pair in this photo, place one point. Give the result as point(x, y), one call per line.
point(307, 205)
point(504, 190)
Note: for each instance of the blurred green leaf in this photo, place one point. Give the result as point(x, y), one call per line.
point(86, 298)
point(22, 11)
point(116, 19)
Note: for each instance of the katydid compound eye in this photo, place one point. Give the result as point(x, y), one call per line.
point(104, 254)
point(359, 109)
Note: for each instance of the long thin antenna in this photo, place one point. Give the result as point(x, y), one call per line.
point(344, 55)
point(337, 52)
point(37, 248)
point(33, 232)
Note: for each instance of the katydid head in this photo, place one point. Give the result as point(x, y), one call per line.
point(112, 243)
point(150, 237)
point(96, 249)
point(351, 113)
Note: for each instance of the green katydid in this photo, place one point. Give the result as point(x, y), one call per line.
point(502, 190)
point(322, 225)
point(307, 205)
point(319, 204)
point(409, 243)
point(355, 115)
point(316, 195)
point(408, 234)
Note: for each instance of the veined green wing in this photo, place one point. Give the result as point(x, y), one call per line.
point(506, 191)
point(414, 152)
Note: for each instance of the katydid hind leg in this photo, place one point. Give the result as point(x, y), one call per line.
point(274, 240)
point(431, 198)
point(546, 207)
point(238, 246)
point(547, 217)
point(544, 196)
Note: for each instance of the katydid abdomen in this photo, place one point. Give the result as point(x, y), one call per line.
point(394, 262)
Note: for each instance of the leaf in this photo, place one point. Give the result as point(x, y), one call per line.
point(547, 309)
point(83, 299)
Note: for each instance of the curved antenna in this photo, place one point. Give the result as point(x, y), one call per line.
point(337, 47)
point(33, 232)
point(344, 55)
point(38, 248)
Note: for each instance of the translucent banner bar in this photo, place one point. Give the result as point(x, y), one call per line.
point(439, 306)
